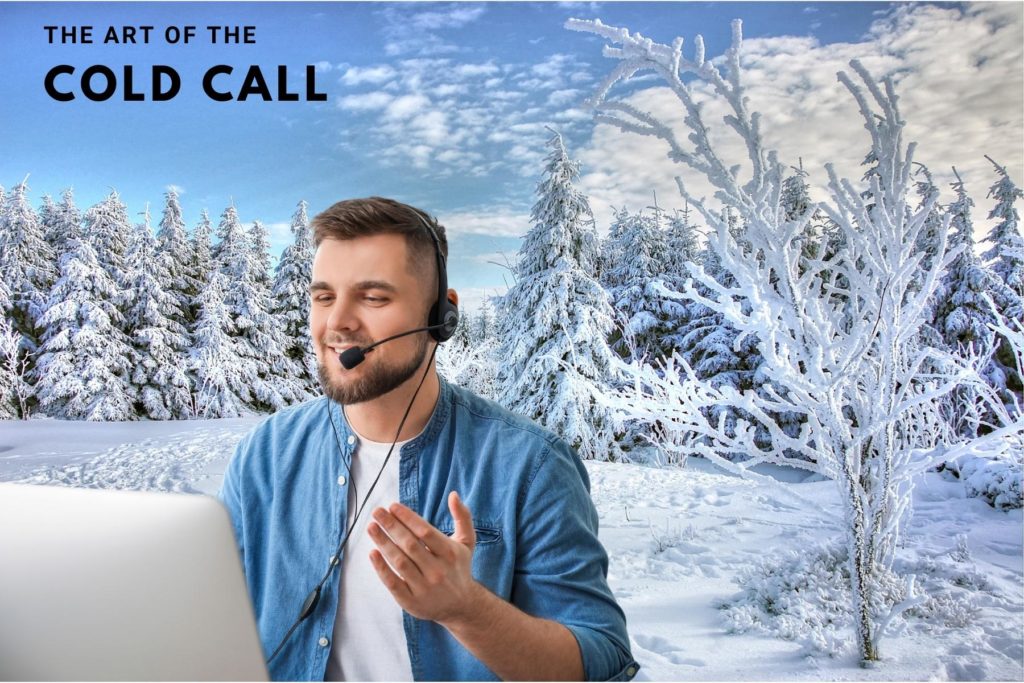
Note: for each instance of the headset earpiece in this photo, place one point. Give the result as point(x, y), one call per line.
point(443, 313)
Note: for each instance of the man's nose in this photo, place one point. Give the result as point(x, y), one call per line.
point(342, 315)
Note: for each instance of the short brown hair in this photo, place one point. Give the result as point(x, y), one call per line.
point(353, 218)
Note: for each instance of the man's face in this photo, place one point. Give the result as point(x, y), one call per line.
point(363, 290)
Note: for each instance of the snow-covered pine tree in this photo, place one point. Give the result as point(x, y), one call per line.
point(1006, 255)
point(176, 256)
point(556, 317)
point(961, 313)
point(468, 361)
point(248, 319)
point(290, 302)
point(158, 338)
point(635, 271)
point(201, 264)
point(84, 361)
point(1006, 259)
point(27, 263)
point(110, 231)
point(213, 361)
point(852, 370)
point(278, 383)
point(484, 327)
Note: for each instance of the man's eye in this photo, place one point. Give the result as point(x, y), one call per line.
point(323, 299)
point(374, 299)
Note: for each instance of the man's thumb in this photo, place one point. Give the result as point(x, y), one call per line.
point(464, 532)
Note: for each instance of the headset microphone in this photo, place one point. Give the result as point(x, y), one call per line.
point(355, 355)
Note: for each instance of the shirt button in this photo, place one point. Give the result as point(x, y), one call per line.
point(351, 440)
point(332, 560)
point(341, 480)
point(323, 641)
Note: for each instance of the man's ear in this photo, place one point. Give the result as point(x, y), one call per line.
point(453, 296)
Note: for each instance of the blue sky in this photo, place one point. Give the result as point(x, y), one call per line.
point(441, 105)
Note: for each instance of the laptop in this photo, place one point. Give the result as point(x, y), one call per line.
point(121, 585)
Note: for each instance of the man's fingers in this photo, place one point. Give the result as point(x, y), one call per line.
point(396, 557)
point(404, 537)
point(392, 581)
point(423, 530)
point(464, 531)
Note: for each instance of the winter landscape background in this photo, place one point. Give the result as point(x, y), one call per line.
point(796, 382)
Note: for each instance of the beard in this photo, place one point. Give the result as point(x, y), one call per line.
point(378, 379)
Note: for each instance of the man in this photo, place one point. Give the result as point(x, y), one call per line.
point(480, 558)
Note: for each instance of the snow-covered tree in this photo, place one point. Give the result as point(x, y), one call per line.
point(290, 302)
point(635, 261)
point(201, 264)
point(249, 322)
point(469, 361)
point(84, 361)
point(1006, 255)
point(556, 317)
point(27, 263)
point(1006, 259)
point(158, 338)
point(213, 361)
point(110, 232)
point(484, 324)
point(176, 256)
point(847, 361)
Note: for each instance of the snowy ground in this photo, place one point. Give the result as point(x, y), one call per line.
point(677, 541)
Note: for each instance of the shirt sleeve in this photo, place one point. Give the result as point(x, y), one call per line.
point(229, 494)
point(562, 568)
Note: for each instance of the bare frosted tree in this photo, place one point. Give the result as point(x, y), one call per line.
point(838, 335)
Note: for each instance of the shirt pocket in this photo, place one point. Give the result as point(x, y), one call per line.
point(486, 534)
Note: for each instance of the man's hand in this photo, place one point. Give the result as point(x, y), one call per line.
point(435, 578)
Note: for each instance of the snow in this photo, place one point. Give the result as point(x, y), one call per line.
point(678, 539)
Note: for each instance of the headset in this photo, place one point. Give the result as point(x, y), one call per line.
point(441, 324)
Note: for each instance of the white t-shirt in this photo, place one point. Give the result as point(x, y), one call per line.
point(369, 637)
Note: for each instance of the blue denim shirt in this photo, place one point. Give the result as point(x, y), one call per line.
point(528, 492)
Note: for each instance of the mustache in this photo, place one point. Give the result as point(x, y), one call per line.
point(339, 341)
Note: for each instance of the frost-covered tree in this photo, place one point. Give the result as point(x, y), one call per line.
point(213, 361)
point(176, 256)
point(250, 324)
point(961, 313)
point(265, 334)
point(484, 324)
point(1006, 259)
point(556, 317)
point(84, 361)
point(158, 338)
point(27, 263)
point(469, 361)
point(635, 261)
point(290, 302)
point(201, 264)
point(1006, 255)
point(110, 232)
point(847, 360)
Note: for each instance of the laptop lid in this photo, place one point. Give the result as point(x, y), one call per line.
point(121, 585)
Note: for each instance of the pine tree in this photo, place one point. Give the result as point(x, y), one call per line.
point(176, 256)
point(635, 275)
point(84, 359)
point(201, 263)
point(27, 263)
point(483, 329)
point(1006, 259)
point(157, 335)
point(214, 362)
point(556, 317)
point(110, 232)
point(290, 302)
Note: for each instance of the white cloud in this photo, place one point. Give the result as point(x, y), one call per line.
point(560, 98)
point(473, 70)
point(323, 67)
point(958, 75)
point(370, 101)
point(357, 75)
point(493, 222)
point(406, 106)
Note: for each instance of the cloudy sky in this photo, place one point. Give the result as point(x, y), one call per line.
point(446, 105)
